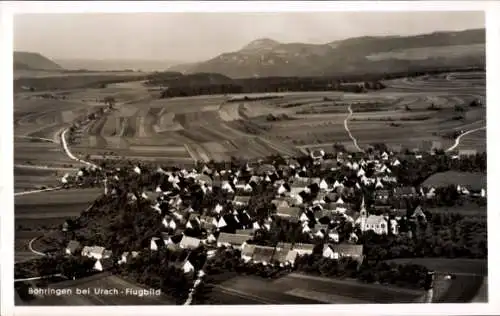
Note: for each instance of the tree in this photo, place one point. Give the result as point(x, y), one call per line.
point(459, 108)
point(110, 101)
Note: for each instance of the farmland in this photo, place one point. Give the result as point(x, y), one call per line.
point(409, 112)
point(475, 181)
point(35, 213)
point(304, 289)
point(470, 282)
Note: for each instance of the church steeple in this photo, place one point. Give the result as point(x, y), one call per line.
point(363, 207)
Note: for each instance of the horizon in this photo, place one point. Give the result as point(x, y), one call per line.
point(136, 39)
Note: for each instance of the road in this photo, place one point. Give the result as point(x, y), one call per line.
point(70, 155)
point(348, 131)
point(38, 277)
point(457, 140)
point(39, 167)
point(36, 191)
point(30, 247)
point(37, 138)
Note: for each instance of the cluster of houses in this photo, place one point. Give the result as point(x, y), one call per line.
point(318, 204)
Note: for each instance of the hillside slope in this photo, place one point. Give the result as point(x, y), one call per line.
point(33, 61)
point(117, 64)
point(267, 57)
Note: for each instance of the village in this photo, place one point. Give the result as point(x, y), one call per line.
point(270, 212)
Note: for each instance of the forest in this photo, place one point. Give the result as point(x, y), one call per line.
point(196, 84)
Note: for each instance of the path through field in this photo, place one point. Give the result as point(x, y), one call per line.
point(30, 247)
point(36, 191)
point(457, 140)
point(347, 128)
point(70, 155)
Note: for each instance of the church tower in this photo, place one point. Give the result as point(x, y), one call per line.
point(363, 215)
point(105, 186)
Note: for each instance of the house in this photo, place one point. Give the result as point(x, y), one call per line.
point(103, 264)
point(239, 184)
point(361, 172)
point(280, 203)
point(72, 247)
point(218, 208)
point(247, 252)
point(95, 252)
point(291, 256)
point(288, 212)
point(126, 256)
point(248, 232)
point(203, 179)
point(323, 185)
point(296, 189)
point(189, 242)
point(226, 186)
point(221, 223)
point(233, 240)
point(293, 163)
point(418, 213)
point(263, 254)
point(467, 153)
point(281, 253)
point(208, 222)
point(395, 163)
point(317, 154)
point(319, 231)
point(240, 200)
point(295, 200)
point(329, 165)
point(265, 169)
point(169, 223)
point(436, 145)
point(303, 249)
point(344, 250)
point(377, 223)
point(405, 192)
point(186, 266)
point(394, 226)
point(382, 195)
point(210, 238)
point(156, 244)
point(329, 253)
point(333, 235)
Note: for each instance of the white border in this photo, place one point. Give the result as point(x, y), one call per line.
point(6, 154)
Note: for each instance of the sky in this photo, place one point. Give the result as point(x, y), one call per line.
point(197, 36)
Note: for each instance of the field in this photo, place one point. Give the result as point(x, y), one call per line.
point(470, 283)
point(475, 181)
point(99, 282)
point(409, 112)
point(35, 213)
point(304, 289)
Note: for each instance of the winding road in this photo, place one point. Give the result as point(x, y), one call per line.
point(30, 247)
point(70, 155)
point(37, 138)
point(354, 140)
point(457, 140)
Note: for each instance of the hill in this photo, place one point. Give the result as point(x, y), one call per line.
point(267, 58)
point(116, 64)
point(33, 61)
